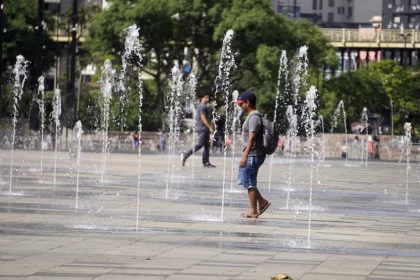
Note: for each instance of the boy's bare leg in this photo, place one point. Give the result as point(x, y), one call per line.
point(261, 200)
point(253, 195)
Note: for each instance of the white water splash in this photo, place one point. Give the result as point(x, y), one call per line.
point(237, 112)
point(309, 123)
point(56, 113)
point(174, 123)
point(364, 120)
point(77, 138)
point(131, 45)
point(133, 49)
point(226, 66)
point(19, 72)
point(192, 104)
point(106, 83)
point(407, 140)
point(41, 89)
point(340, 108)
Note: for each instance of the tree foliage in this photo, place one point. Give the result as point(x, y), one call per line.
point(21, 38)
point(167, 27)
point(374, 88)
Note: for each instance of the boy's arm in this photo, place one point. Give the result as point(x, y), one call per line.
point(206, 123)
point(249, 145)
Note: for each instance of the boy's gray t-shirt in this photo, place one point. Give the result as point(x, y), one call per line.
point(199, 125)
point(253, 123)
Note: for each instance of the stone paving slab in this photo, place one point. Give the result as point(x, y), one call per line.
point(361, 226)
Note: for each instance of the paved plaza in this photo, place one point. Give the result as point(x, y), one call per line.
point(365, 221)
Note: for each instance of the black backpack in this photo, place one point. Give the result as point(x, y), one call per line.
point(270, 135)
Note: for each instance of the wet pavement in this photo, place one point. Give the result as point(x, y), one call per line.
point(365, 222)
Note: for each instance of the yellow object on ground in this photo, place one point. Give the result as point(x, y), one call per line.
point(281, 276)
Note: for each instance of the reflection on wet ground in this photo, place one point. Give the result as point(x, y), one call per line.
point(346, 202)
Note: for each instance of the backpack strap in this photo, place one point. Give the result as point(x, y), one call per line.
point(261, 132)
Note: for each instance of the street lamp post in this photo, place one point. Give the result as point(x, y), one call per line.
point(405, 37)
point(1, 49)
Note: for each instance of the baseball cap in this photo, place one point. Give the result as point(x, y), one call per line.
point(246, 95)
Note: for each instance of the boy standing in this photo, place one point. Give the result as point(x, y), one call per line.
point(253, 154)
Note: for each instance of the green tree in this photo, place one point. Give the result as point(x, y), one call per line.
point(21, 38)
point(260, 36)
point(167, 27)
point(358, 89)
point(375, 88)
point(160, 48)
point(194, 24)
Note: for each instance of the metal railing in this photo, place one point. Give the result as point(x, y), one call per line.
point(370, 35)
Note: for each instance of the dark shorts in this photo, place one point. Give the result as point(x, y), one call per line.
point(247, 176)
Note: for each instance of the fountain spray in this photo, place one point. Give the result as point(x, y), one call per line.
point(174, 120)
point(40, 101)
point(282, 70)
point(56, 113)
point(77, 136)
point(291, 135)
point(309, 122)
point(365, 121)
point(222, 83)
point(237, 112)
point(340, 108)
point(407, 128)
point(133, 49)
point(190, 102)
point(131, 44)
point(106, 82)
point(20, 77)
point(300, 72)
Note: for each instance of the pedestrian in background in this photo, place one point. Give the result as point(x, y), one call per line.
point(203, 129)
point(162, 141)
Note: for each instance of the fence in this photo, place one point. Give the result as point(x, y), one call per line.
point(370, 35)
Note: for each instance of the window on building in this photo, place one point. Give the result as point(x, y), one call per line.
point(413, 2)
point(314, 4)
point(330, 17)
point(396, 2)
point(412, 19)
point(350, 12)
point(331, 3)
point(321, 4)
point(397, 19)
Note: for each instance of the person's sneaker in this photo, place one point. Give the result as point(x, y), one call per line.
point(208, 164)
point(183, 159)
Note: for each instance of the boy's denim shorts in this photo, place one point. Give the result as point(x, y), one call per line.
point(247, 176)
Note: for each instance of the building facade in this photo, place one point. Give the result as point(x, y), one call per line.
point(401, 14)
point(332, 13)
point(290, 8)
